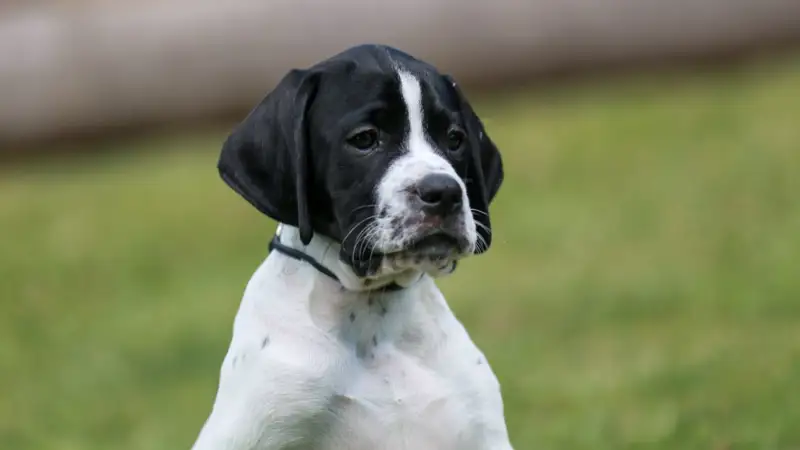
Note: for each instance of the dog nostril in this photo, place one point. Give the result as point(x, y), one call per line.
point(430, 196)
point(440, 193)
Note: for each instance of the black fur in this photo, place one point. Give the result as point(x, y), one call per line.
point(289, 157)
point(485, 168)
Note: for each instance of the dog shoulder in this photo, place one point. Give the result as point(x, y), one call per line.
point(266, 400)
point(274, 388)
point(462, 361)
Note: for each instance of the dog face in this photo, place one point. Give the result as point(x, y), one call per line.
point(376, 150)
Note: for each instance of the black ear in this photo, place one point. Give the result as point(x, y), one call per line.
point(266, 158)
point(484, 169)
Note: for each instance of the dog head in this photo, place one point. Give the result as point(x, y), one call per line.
point(376, 150)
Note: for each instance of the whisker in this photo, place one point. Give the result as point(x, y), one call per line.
point(366, 237)
point(370, 239)
point(359, 235)
point(362, 242)
point(488, 230)
point(372, 249)
point(364, 231)
point(356, 244)
point(372, 205)
point(480, 244)
point(480, 212)
point(353, 228)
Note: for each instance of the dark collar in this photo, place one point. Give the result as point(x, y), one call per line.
point(279, 247)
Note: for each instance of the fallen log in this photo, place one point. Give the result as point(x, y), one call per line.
point(101, 66)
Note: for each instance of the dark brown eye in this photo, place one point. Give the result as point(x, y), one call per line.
point(364, 139)
point(455, 139)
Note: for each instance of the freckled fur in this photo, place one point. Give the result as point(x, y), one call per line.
point(407, 380)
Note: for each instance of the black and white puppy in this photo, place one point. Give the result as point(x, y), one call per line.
point(381, 175)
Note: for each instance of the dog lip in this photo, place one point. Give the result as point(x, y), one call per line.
point(435, 243)
point(437, 239)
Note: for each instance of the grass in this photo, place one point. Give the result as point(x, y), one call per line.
point(643, 290)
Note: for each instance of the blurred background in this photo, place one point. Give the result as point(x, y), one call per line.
point(643, 289)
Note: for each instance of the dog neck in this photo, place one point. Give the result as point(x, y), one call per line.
point(325, 252)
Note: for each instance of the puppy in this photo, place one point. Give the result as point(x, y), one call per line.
point(380, 175)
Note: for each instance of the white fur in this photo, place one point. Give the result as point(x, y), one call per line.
point(420, 158)
point(313, 366)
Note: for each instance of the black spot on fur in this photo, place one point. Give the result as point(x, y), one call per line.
point(352, 316)
point(410, 221)
point(396, 232)
point(361, 351)
point(265, 342)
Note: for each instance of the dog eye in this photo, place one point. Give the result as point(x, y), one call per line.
point(364, 139)
point(455, 139)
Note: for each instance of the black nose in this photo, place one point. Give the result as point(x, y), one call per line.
point(440, 194)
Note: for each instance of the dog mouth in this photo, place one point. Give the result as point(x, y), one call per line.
point(437, 245)
point(437, 249)
point(436, 242)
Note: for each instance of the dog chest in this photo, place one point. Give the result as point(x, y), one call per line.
point(395, 371)
point(414, 383)
point(392, 399)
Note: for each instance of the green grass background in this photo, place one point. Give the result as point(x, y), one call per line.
point(643, 290)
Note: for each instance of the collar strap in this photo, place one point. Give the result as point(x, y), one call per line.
point(276, 245)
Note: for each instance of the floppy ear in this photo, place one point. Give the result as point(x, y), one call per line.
point(484, 169)
point(266, 157)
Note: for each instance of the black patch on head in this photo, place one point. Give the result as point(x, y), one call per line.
point(440, 110)
point(290, 157)
point(484, 167)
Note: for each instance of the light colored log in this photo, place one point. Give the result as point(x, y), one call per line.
point(108, 64)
